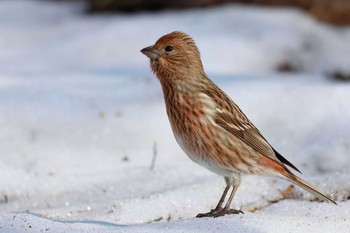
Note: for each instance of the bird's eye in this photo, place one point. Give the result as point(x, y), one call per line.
point(168, 48)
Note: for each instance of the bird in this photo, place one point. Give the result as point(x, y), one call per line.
point(209, 126)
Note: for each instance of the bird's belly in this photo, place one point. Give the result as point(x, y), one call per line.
point(201, 156)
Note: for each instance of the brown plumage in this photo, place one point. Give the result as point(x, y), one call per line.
point(208, 125)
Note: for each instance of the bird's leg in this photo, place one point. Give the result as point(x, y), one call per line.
point(218, 208)
point(219, 211)
point(226, 210)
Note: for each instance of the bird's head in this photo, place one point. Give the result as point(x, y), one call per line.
point(173, 54)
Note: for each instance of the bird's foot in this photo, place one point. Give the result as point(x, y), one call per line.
point(212, 213)
point(218, 212)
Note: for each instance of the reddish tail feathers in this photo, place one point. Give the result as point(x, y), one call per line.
point(281, 169)
point(308, 187)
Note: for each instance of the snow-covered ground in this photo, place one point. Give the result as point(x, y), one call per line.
point(82, 116)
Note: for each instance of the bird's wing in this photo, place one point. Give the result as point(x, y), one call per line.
point(240, 126)
point(245, 131)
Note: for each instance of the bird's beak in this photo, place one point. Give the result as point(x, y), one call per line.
point(150, 52)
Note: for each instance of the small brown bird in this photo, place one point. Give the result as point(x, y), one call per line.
point(209, 126)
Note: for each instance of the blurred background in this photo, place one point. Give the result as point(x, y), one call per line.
point(331, 11)
point(84, 133)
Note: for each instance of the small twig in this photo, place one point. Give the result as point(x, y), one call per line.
point(154, 157)
point(99, 187)
point(155, 220)
point(5, 200)
point(289, 193)
point(158, 219)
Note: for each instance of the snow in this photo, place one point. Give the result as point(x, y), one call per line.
point(80, 113)
point(281, 217)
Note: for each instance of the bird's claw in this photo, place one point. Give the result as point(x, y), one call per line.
point(219, 212)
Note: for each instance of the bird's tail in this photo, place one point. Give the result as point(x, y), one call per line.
point(308, 187)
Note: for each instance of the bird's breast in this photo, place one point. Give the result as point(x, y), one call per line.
point(190, 113)
point(191, 119)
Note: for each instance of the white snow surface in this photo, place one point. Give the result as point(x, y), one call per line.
point(81, 112)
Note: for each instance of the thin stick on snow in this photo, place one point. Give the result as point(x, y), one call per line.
point(154, 155)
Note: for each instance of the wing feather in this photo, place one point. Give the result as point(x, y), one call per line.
point(245, 132)
point(240, 126)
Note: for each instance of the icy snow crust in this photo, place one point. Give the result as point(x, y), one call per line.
point(80, 112)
